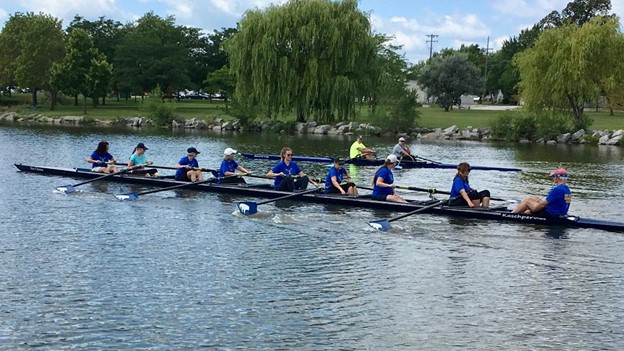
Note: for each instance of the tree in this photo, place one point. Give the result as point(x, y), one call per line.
point(153, 52)
point(83, 69)
point(569, 66)
point(308, 55)
point(106, 34)
point(450, 77)
point(29, 45)
point(221, 81)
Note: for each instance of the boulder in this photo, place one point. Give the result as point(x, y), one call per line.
point(524, 141)
point(578, 135)
point(343, 129)
point(175, 124)
point(323, 129)
point(450, 131)
point(311, 124)
point(563, 138)
point(615, 140)
point(300, 127)
point(551, 142)
point(603, 140)
point(616, 133)
point(353, 125)
point(72, 119)
point(227, 126)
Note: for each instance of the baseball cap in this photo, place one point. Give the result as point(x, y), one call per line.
point(360, 137)
point(339, 161)
point(392, 158)
point(401, 139)
point(559, 172)
point(141, 146)
point(192, 149)
point(229, 151)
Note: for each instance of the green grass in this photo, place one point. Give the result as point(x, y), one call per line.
point(432, 117)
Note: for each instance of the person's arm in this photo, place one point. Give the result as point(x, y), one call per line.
point(337, 185)
point(244, 170)
point(465, 196)
point(273, 172)
point(183, 163)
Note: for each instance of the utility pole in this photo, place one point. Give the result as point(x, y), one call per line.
point(487, 51)
point(431, 41)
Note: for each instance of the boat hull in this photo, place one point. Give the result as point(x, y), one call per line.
point(266, 191)
point(405, 164)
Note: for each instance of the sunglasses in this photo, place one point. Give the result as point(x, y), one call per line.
point(288, 154)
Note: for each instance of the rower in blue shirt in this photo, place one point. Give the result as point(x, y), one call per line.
point(102, 161)
point(188, 167)
point(229, 167)
point(556, 203)
point(334, 179)
point(461, 192)
point(383, 182)
point(285, 170)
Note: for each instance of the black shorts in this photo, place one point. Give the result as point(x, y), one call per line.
point(379, 197)
point(183, 177)
point(473, 195)
point(543, 214)
point(334, 190)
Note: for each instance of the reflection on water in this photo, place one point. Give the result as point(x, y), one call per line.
point(183, 270)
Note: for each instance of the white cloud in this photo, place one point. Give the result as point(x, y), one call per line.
point(528, 9)
point(66, 9)
point(4, 15)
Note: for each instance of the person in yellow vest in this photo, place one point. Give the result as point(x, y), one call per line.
point(359, 150)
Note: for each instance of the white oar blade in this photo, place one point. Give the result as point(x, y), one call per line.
point(247, 208)
point(382, 225)
point(67, 189)
point(127, 197)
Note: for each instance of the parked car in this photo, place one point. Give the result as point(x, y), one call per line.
point(197, 96)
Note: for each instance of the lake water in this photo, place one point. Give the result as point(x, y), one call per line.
point(182, 270)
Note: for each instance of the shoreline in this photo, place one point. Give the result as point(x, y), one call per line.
point(599, 137)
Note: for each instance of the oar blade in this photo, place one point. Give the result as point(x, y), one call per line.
point(248, 208)
point(127, 197)
point(382, 225)
point(67, 189)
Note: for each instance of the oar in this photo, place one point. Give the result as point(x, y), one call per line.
point(384, 224)
point(169, 167)
point(249, 208)
point(69, 188)
point(434, 191)
point(134, 196)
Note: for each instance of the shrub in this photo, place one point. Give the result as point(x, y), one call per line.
point(551, 124)
point(503, 126)
point(160, 111)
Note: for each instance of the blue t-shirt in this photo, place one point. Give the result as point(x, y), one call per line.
point(559, 199)
point(291, 169)
point(386, 174)
point(138, 160)
point(186, 161)
point(227, 166)
point(102, 158)
point(458, 185)
point(333, 172)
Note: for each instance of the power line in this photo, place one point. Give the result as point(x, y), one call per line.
point(431, 41)
point(487, 51)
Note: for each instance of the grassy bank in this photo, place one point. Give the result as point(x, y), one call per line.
point(433, 117)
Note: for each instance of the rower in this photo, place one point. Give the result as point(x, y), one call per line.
point(556, 203)
point(138, 157)
point(188, 167)
point(383, 182)
point(402, 151)
point(359, 151)
point(284, 171)
point(229, 168)
point(334, 179)
point(461, 192)
point(102, 161)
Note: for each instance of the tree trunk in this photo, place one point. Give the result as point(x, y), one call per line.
point(53, 95)
point(76, 100)
point(84, 104)
point(34, 96)
point(577, 111)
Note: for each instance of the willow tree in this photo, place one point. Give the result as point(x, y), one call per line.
point(568, 66)
point(310, 56)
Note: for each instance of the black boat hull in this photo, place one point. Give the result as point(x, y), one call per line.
point(266, 191)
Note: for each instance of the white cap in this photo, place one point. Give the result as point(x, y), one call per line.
point(392, 158)
point(401, 139)
point(229, 151)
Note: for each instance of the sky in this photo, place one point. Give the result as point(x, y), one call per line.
point(408, 22)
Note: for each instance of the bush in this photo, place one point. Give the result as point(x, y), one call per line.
point(551, 124)
point(503, 126)
point(160, 111)
point(583, 123)
point(399, 115)
point(245, 113)
point(525, 127)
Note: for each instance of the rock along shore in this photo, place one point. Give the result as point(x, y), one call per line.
point(602, 137)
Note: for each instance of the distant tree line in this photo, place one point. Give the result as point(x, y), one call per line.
point(316, 59)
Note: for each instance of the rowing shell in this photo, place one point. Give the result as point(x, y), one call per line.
point(378, 162)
